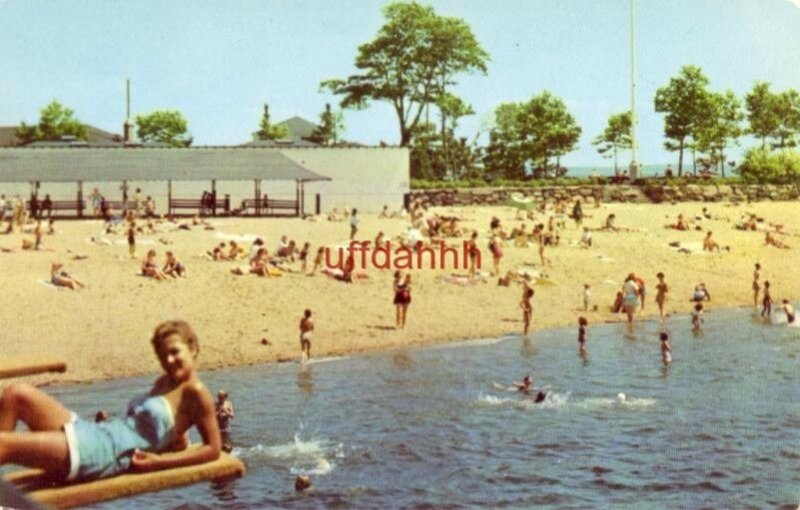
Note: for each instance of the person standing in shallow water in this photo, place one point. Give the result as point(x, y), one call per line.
point(306, 332)
point(527, 308)
point(582, 323)
point(666, 349)
point(756, 284)
point(630, 297)
point(766, 301)
point(225, 414)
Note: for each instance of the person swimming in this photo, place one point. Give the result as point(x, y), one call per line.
point(526, 385)
point(789, 311)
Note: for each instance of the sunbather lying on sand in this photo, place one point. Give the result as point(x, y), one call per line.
point(771, 240)
point(62, 278)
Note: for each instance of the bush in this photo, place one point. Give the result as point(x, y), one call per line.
point(498, 183)
point(763, 166)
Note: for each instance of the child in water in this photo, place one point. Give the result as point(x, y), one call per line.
point(666, 350)
point(152, 436)
point(789, 311)
point(697, 317)
point(766, 301)
point(527, 307)
point(582, 323)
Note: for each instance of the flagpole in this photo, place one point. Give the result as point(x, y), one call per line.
point(634, 169)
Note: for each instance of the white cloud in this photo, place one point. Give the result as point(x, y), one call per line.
point(795, 2)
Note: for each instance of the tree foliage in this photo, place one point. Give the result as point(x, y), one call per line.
point(330, 128)
point(531, 133)
point(685, 101)
point(773, 115)
point(269, 131)
point(55, 121)
point(788, 113)
point(164, 126)
point(428, 159)
point(616, 136)
point(762, 166)
point(719, 128)
point(414, 57)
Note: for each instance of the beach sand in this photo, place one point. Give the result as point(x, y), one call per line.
point(103, 331)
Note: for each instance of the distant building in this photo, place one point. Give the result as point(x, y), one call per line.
point(300, 130)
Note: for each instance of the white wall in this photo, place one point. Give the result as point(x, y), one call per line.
point(364, 178)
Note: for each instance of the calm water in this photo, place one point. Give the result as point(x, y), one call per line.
point(434, 427)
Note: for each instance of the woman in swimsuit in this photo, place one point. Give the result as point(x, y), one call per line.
point(152, 436)
point(497, 253)
point(402, 297)
point(474, 254)
point(150, 267)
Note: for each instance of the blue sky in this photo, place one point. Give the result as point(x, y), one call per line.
point(218, 62)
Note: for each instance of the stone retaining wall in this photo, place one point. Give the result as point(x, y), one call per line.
point(610, 193)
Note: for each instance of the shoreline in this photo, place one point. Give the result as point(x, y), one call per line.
point(102, 332)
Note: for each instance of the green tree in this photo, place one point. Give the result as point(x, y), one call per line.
point(720, 128)
point(414, 57)
point(164, 126)
point(330, 128)
point(55, 121)
point(762, 112)
point(269, 131)
point(531, 133)
point(788, 112)
point(616, 135)
point(451, 109)
point(773, 115)
point(504, 156)
point(685, 102)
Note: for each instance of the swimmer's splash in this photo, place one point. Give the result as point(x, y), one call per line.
point(402, 257)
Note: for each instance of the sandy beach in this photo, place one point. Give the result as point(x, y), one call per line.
point(103, 331)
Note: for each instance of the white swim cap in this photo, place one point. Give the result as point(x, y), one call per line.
point(621, 397)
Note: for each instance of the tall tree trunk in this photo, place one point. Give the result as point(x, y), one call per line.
point(616, 165)
point(405, 136)
point(722, 162)
point(680, 158)
point(694, 160)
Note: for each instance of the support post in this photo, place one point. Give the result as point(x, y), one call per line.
point(297, 198)
point(302, 198)
point(169, 198)
point(318, 208)
point(257, 189)
point(124, 197)
point(80, 199)
point(213, 197)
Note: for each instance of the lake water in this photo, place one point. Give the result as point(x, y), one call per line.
point(435, 427)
